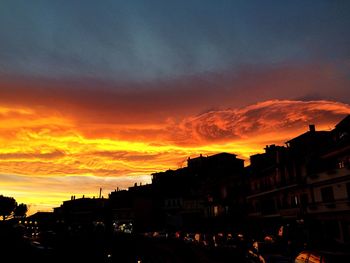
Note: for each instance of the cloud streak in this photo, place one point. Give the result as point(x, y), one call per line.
point(131, 103)
point(111, 92)
point(44, 154)
point(266, 121)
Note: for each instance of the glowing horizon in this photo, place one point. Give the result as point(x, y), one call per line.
point(104, 94)
point(45, 158)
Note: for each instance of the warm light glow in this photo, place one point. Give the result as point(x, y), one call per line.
point(45, 156)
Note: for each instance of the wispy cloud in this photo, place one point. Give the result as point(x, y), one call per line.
point(268, 121)
point(54, 154)
point(140, 103)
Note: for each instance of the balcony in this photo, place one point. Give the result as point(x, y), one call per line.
point(259, 193)
point(328, 175)
point(312, 206)
point(332, 171)
point(330, 205)
point(314, 176)
point(322, 207)
point(254, 214)
point(289, 212)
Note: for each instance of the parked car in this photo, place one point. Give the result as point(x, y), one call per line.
point(321, 257)
point(310, 257)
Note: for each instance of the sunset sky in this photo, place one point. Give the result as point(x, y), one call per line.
point(104, 93)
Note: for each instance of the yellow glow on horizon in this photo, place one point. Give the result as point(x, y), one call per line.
point(46, 157)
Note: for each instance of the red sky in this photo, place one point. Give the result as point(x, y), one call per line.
point(58, 141)
point(104, 94)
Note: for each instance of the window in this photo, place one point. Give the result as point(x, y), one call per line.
point(348, 189)
point(216, 210)
point(268, 206)
point(327, 194)
point(257, 206)
point(304, 200)
point(285, 203)
point(278, 203)
point(294, 201)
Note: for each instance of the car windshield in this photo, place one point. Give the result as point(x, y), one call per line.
point(314, 258)
point(302, 257)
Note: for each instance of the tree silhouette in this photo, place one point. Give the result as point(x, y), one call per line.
point(20, 211)
point(7, 206)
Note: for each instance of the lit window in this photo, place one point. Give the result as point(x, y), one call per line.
point(216, 211)
point(294, 201)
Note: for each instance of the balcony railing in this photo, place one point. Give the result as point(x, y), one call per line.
point(274, 187)
point(336, 205)
point(327, 175)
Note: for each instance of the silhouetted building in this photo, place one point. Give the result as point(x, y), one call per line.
point(121, 206)
point(305, 150)
point(82, 212)
point(278, 188)
point(273, 189)
point(137, 207)
point(329, 183)
point(181, 204)
point(38, 223)
point(215, 166)
point(198, 195)
point(307, 182)
point(278, 177)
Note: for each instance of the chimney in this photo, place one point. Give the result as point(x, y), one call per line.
point(312, 128)
point(100, 192)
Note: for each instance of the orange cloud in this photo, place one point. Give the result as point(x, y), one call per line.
point(276, 120)
point(46, 156)
point(147, 103)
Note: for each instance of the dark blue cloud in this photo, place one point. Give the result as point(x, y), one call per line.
point(150, 39)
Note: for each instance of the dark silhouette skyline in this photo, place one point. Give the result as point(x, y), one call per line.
point(290, 199)
point(104, 94)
